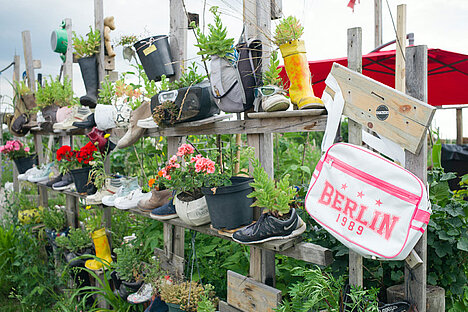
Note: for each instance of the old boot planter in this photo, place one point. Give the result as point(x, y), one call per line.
point(297, 68)
point(101, 244)
point(89, 72)
point(193, 212)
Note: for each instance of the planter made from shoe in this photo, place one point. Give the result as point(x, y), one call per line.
point(49, 113)
point(25, 163)
point(81, 178)
point(155, 56)
point(101, 245)
point(174, 307)
point(104, 116)
point(193, 212)
point(297, 68)
point(122, 113)
point(29, 216)
point(89, 72)
point(229, 206)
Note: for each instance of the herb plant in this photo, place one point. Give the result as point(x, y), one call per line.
point(275, 197)
point(89, 45)
point(53, 218)
point(186, 294)
point(129, 264)
point(55, 93)
point(189, 77)
point(287, 30)
point(76, 241)
point(215, 43)
point(271, 75)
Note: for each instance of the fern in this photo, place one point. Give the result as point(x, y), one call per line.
point(271, 75)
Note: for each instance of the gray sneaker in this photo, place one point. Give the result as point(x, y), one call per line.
point(128, 185)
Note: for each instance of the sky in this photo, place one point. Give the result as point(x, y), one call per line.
point(436, 23)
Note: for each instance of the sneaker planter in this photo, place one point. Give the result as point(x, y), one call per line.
point(155, 56)
point(194, 212)
point(81, 178)
point(25, 163)
point(269, 227)
point(228, 206)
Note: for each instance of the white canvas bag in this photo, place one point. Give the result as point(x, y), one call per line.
point(370, 204)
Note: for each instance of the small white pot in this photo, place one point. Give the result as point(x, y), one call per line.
point(194, 212)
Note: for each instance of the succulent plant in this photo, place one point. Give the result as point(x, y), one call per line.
point(287, 30)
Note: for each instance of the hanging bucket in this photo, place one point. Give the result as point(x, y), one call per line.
point(25, 163)
point(155, 56)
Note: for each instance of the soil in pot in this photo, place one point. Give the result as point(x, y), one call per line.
point(229, 206)
point(155, 56)
point(25, 163)
point(81, 178)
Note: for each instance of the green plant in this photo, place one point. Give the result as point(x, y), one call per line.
point(87, 46)
point(154, 274)
point(127, 40)
point(271, 75)
point(107, 92)
point(129, 264)
point(98, 174)
point(275, 197)
point(76, 241)
point(206, 303)
point(20, 87)
point(186, 294)
point(189, 77)
point(55, 93)
point(215, 43)
point(317, 291)
point(53, 218)
point(287, 30)
point(92, 218)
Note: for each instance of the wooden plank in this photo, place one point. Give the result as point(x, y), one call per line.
point(16, 77)
point(178, 36)
point(225, 307)
point(70, 205)
point(247, 294)
point(174, 264)
point(355, 137)
point(378, 23)
point(311, 253)
point(99, 25)
point(459, 126)
point(292, 113)
point(249, 126)
point(407, 119)
point(416, 85)
point(249, 10)
point(276, 9)
point(109, 63)
point(37, 64)
point(400, 48)
point(68, 64)
point(28, 60)
point(205, 121)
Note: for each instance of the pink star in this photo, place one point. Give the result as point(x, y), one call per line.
point(344, 186)
point(360, 194)
point(378, 202)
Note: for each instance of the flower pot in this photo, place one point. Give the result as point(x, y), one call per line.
point(25, 163)
point(193, 212)
point(155, 56)
point(174, 307)
point(229, 206)
point(81, 178)
point(89, 72)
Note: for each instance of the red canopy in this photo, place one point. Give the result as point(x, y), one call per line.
point(447, 74)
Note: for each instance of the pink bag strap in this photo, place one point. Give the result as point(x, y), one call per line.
point(420, 229)
point(422, 216)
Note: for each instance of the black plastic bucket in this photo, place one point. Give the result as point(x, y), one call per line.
point(229, 207)
point(155, 56)
point(80, 177)
point(25, 163)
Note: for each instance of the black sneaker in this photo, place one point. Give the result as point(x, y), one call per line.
point(269, 227)
point(64, 184)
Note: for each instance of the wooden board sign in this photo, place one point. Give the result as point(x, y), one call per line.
point(391, 113)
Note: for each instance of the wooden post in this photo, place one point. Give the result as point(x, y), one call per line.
point(416, 86)
point(355, 137)
point(99, 25)
point(178, 36)
point(378, 23)
point(68, 64)
point(16, 77)
point(28, 59)
point(459, 126)
point(400, 48)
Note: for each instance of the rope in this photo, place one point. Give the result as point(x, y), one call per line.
point(12, 63)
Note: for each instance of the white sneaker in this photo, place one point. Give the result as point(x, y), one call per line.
point(131, 200)
point(42, 174)
point(110, 188)
point(143, 294)
point(147, 123)
point(276, 102)
point(80, 113)
point(30, 172)
point(128, 185)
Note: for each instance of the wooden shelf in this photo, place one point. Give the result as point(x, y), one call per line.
point(66, 192)
point(79, 131)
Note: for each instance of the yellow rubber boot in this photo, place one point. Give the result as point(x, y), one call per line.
point(101, 244)
point(297, 68)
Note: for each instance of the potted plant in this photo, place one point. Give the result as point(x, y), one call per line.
point(76, 243)
point(186, 99)
point(55, 223)
point(25, 104)
point(287, 37)
point(278, 220)
point(128, 267)
point(20, 154)
point(186, 178)
point(77, 163)
point(86, 49)
point(185, 296)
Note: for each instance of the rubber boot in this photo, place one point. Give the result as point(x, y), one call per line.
point(297, 68)
point(101, 245)
point(89, 72)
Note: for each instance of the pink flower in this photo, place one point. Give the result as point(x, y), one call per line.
point(26, 149)
point(185, 149)
point(194, 159)
point(173, 160)
point(205, 165)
